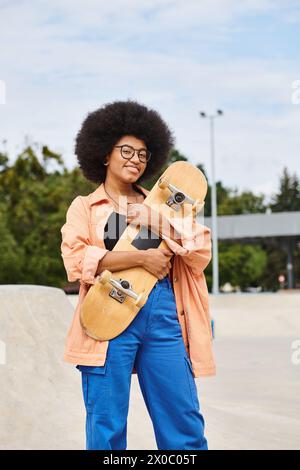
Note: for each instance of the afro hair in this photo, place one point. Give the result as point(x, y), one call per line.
point(102, 128)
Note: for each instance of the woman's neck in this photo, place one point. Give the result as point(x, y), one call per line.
point(119, 188)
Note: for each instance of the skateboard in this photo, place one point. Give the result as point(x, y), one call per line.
point(115, 299)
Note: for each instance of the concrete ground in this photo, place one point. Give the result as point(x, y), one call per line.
point(254, 400)
point(252, 403)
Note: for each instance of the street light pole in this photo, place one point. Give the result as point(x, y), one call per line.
point(214, 215)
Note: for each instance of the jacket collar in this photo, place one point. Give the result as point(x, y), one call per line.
point(99, 194)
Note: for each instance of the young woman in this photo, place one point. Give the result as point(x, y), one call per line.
point(167, 345)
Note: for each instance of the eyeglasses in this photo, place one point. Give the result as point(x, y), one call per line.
point(127, 152)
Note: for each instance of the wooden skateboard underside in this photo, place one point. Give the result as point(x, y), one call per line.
point(107, 308)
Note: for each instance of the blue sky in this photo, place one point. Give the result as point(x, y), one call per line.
point(62, 59)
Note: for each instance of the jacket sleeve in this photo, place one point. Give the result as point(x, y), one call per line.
point(195, 243)
point(80, 258)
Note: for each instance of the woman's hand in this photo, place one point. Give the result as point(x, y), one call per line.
point(157, 261)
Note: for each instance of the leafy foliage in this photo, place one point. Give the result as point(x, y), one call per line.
point(37, 189)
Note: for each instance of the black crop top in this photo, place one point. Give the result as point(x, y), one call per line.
point(115, 226)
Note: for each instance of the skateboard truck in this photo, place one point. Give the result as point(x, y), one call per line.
point(178, 197)
point(121, 289)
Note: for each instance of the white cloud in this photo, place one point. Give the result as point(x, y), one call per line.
point(62, 59)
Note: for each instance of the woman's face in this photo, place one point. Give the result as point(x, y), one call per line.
point(119, 167)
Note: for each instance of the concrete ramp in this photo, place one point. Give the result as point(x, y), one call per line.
point(41, 403)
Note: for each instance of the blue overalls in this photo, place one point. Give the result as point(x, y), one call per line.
point(153, 344)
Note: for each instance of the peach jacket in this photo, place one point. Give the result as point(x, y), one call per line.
point(83, 247)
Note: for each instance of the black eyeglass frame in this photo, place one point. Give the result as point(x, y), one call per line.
point(148, 155)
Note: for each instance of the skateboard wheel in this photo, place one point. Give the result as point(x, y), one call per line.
point(163, 182)
point(105, 277)
point(125, 284)
point(141, 300)
point(179, 198)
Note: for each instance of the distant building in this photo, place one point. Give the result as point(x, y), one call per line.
point(284, 226)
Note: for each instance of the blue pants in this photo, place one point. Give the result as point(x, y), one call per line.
point(153, 344)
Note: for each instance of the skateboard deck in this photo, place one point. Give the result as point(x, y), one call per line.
point(115, 299)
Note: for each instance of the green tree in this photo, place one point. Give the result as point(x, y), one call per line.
point(37, 189)
point(36, 200)
point(288, 196)
point(241, 264)
point(276, 265)
point(244, 203)
point(12, 256)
